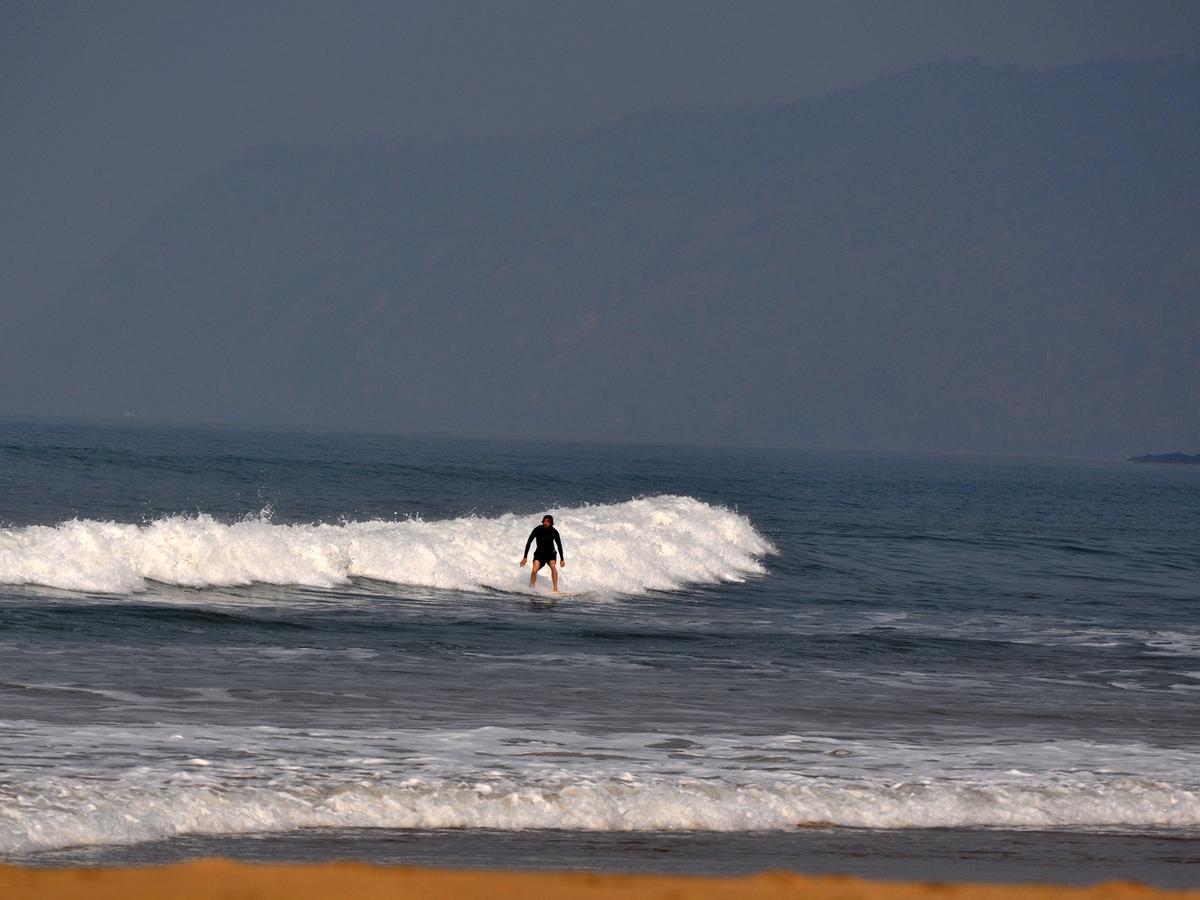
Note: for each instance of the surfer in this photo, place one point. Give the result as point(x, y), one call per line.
point(547, 538)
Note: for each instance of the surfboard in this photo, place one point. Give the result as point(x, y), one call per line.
point(538, 595)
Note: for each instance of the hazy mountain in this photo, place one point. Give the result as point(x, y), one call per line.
point(960, 256)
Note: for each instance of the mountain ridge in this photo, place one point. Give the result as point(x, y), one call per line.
point(956, 257)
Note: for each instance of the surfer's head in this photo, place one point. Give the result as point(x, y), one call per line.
point(548, 521)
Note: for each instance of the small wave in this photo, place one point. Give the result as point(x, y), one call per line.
point(150, 782)
point(65, 814)
point(653, 543)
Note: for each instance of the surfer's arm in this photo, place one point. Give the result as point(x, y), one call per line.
point(562, 556)
point(525, 553)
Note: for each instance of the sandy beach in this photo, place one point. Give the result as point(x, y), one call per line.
point(236, 881)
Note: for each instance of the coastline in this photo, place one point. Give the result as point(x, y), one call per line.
point(1164, 860)
point(217, 878)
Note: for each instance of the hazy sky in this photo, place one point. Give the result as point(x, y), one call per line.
point(107, 108)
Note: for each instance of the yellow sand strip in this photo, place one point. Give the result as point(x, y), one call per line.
point(222, 880)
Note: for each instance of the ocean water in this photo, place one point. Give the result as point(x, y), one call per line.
point(298, 646)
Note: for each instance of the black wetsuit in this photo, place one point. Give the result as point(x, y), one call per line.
point(546, 538)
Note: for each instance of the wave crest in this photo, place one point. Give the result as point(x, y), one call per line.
point(71, 814)
point(653, 543)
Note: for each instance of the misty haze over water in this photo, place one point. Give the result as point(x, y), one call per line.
point(961, 256)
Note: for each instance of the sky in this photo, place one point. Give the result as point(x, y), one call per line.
point(107, 109)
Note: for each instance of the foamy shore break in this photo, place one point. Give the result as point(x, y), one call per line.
point(211, 879)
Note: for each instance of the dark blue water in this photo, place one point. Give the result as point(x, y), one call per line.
point(209, 632)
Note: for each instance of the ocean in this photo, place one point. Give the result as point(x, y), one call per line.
point(299, 646)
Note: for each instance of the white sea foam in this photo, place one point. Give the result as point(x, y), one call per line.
point(654, 543)
point(128, 784)
point(63, 813)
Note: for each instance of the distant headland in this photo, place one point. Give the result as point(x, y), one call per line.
point(1185, 458)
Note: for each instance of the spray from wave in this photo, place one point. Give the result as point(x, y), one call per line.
point(654, 543)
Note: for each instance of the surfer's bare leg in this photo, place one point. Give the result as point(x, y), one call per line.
point(554, 574)
point(533, 573)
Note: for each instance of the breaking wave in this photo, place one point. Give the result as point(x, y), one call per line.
point(143, 783)
point(654, 543)
point(85, 813)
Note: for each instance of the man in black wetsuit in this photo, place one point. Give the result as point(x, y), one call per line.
point(547, 537)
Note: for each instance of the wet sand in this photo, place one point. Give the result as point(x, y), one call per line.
point(1162, 859)
point(212, 879)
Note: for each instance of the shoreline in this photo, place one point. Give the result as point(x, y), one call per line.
point(1164, 860)
point(219, 878)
